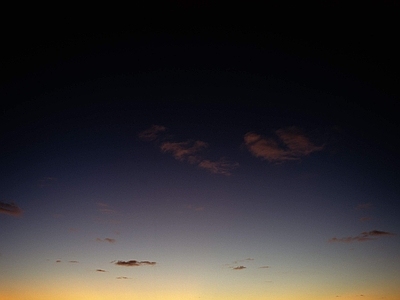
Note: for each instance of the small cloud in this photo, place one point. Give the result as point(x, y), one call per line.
point(73, 261)
point(290, 144)
point(151, 133)
point(239, 268)
point(364, 206)
point(122, 277)
point(10, 209)
point(378, 233)
point(104, 208)
point(264, 267)
point(109, 240)
point(184, 151)
point(58, 261)
point(221, 166)
point(101, 270)
point(364, 236)
point(249, 259)
point(134, 263)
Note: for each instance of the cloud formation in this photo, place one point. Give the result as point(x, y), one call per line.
point(189, 151)
point(109, 240)
point(10, 209)
point(185, 151)
point(264, 267)
point(101, 270)
point(152, 133)
point(364, 236)
point(122, 277)
point(104, 208)
point(239, 268)
point(221, 166)
point(134, 263)
point(73, 261)
point(290, 144)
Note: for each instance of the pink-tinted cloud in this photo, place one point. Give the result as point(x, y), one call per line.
point(290, 144)
point(364, 236)
point(152, 133)
point(109, 240)
point(184, 151)
point(218, 167)
point(188, 151)
point(134, 263)
point(104, 208)
point(10, 209)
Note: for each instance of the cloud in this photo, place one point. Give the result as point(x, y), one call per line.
point(151, 133)
point(122, 277)
point(104, 208)
point(188, 151)
point(364, 236)
point(73, 261)
point(239, 268)
point(290, 144)
point(134, 263)
point(221, 166)
point(109, 240)
point(10, 209)
point(378, 233)
point(101, 270)
point(184, 151)
point(58, 261)
point(264, 267)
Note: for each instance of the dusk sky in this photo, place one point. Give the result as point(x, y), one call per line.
point(205, 158)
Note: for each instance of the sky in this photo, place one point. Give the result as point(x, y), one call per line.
point(206, 161)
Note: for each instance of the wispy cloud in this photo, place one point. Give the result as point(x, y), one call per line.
point(152, 133)
point(10, 209)
point(58, 260)
point(134, 263)
point(221, 166)
point(289, 144)
point(239, 268)
point(109, 240)
point(364, 236)
point(122, 277)
point(189, 151)
point(101, 270)
point(73, 261)
point(185, 151)
point(264, 267)
point(104, 208)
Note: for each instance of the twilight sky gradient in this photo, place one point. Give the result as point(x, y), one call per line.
point(206, 161)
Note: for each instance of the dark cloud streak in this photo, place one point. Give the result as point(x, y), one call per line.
point(10, 209)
